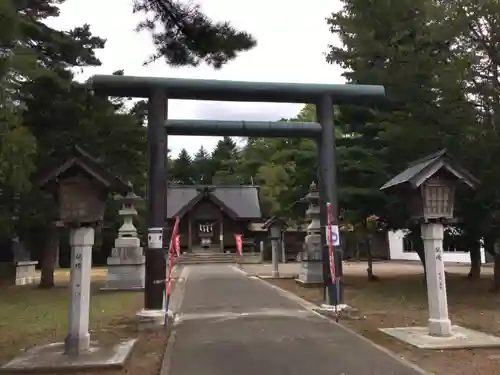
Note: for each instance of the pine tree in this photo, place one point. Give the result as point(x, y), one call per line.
point(202, 167)
point(189, 37)
point(225, 160)
point(182, 171)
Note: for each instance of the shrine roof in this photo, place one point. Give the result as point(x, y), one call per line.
point(421, 169)
point(239, 201)
point(80, 160)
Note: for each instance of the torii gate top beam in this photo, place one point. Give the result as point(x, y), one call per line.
point(236, 91)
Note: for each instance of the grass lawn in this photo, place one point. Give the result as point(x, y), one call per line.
point(30, 316)
point(402, 301)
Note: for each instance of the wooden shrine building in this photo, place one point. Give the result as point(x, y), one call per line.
point(210, 216)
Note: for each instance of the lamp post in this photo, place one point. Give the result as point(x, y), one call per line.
point(126, 269)
point(81, 186)
point(275, 227)
point(312, 262)
point(429, 186)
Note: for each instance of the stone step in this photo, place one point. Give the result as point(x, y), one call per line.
point(196, 258)
point(206, 261)
point(205, 256)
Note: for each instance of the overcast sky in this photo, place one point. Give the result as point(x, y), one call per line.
point(292, 38)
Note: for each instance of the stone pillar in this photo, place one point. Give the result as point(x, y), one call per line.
point(283, 248)
point(221, 231)
point(261, 251)
point(311, 271)
point(78, 339)
point(126, 269)
point(190, 233)
point(19, 251)
point(439, 322)
point(275, 257)
point(25, 269)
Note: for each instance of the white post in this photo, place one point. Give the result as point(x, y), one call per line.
point(274, 245)
point(283, 249)
point(439, 322)
point(78, 339)
point(147, 316)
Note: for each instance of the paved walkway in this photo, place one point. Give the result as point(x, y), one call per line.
point(230, 324)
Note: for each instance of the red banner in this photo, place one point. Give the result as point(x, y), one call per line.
point(178, 245)
point(168, 288)
point(330, 240)
point(239, 243)
point(175, 232)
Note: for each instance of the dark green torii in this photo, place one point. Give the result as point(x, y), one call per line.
point(160, 90)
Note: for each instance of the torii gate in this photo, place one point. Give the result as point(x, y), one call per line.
point(159, 90)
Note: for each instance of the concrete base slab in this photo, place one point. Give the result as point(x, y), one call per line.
point(151, 316)
point(343, 311)
point(309, 284)
point(270, 277)
point(462, 338)
point(333, 308)
point(51, 358)
point(153, 319)
point(130, 289)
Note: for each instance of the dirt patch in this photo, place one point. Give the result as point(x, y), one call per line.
point(30, 316)
point(402, 301)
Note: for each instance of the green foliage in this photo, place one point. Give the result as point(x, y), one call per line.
point(183, 35)
point(202, 167)
point(182, 170)
point(438, 64)
point(43, 112)
point(17, 149)
point(403, 46)
point(225, 161)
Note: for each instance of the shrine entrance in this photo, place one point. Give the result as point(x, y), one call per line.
point(159, 90)
point(205, 234)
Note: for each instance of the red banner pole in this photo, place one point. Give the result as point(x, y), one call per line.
point(178, 245)
point(330, 242)
point(168, 286)
point(239, 243)
point(331, 255)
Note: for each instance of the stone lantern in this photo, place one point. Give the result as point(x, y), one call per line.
point(275, 227)
point(311, 271)
point(81, 185)
point(429, 186)
point(126, 265)
point(128, 212)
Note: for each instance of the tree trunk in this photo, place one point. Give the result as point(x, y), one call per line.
point(418, 244)
point(496, 275)
point(368, 245)
point(475, 260)
point(49, 258)
point(371, 275)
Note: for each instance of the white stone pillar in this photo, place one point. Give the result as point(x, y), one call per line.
point(275, 261)
point(283, 247)
point(439, 322)
point(78, 339)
